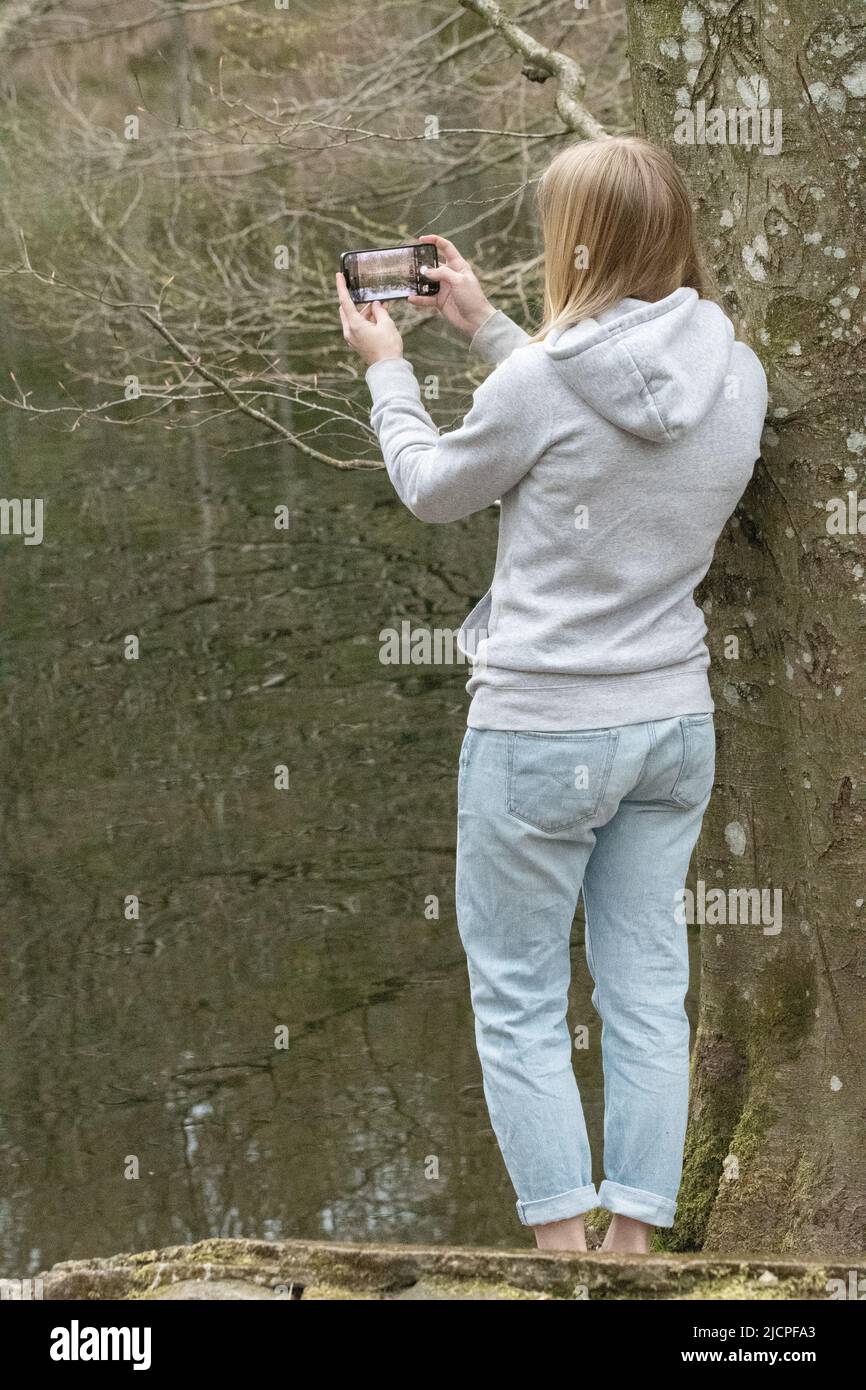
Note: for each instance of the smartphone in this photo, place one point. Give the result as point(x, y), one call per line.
point(391, 273)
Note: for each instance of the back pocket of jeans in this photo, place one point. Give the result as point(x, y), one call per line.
point(558, 781)
point(698, 768)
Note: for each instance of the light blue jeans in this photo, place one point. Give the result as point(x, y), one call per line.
point(616, 813)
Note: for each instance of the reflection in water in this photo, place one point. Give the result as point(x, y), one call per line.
point(153, 1039)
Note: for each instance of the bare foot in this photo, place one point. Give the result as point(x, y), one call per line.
point(561, 1235)
point(627, 1236)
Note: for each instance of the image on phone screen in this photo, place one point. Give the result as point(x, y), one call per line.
point(391, 273)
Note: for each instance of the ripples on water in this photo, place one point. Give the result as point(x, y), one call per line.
point(154, 1038)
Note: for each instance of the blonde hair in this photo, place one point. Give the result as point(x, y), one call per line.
point(617, 223)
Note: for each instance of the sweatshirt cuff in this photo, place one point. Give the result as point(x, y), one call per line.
point(393, 376)
point(497, 338)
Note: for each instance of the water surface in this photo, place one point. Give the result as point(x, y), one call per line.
point(151, 1041)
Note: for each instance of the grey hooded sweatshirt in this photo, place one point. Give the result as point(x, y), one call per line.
point(618, 448)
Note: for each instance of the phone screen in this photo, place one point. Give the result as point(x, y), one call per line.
point(394, 273)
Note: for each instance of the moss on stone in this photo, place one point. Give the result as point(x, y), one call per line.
point(339, 1292)
point(470, 1289)
point(320, 1271)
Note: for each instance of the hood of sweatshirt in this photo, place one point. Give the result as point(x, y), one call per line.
point(651, 369)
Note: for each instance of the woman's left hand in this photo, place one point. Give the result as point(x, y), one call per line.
point(371, 332)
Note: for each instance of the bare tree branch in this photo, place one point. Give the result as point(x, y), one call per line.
point(151, 313)
point(540, 63)
point(242, 196)
point(209, 375)
point(23, 9)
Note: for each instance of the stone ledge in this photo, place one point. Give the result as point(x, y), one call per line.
point(299, 1269)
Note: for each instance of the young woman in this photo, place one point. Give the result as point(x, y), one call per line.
point(618, 440)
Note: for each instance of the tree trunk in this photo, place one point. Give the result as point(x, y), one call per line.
point(774, 1156)
point(182, 68)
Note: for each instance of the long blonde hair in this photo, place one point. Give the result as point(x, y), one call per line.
point(617, 223)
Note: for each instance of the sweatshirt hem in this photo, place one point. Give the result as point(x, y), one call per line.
point(592, 702)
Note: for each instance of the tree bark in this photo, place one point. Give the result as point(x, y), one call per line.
point(774, 1155)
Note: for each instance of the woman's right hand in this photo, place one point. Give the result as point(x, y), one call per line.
point(461, 299)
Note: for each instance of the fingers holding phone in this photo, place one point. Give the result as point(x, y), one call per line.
point(447, 251)
point(430, 273)
point(370, 331)
point(461, 299)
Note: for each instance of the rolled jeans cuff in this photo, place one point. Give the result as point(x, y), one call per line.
point(634, 1202)
point(560, 1208)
